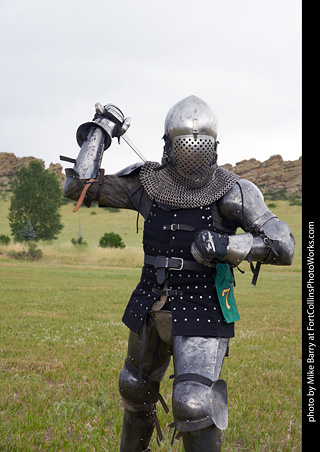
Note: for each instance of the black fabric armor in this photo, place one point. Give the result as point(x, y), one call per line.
point(195, 306)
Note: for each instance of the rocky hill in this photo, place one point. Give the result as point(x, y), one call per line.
point(272, 175)
point(10, 164)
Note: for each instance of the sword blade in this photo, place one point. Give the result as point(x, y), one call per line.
point(133, 147)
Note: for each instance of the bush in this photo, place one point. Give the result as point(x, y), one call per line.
point(79, 242)
point(32, 254)
point(111, 240)
point(4, 239)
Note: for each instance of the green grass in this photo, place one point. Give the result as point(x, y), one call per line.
point(62, 344)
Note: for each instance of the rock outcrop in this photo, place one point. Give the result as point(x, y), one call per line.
point(272, 175)
point(10, 164)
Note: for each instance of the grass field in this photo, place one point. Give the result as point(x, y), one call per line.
point(62, 344)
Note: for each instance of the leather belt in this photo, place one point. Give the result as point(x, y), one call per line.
point(163, 263)
point(167, 292)
point(177, 227)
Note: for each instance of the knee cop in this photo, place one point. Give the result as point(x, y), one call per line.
point(199, 397)
point(137, 396)
point(198, 402)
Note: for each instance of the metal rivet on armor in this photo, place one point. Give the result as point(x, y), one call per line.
point(184, 308)
point(185, 320)
point(198, 320)
point(209, 320)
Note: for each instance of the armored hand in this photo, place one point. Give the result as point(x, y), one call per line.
point(209, 248)
point(94, 138)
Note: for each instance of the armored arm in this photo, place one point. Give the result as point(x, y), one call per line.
point(94, 138)
point(267, 239)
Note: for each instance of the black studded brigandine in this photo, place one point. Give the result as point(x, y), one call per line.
point(193, 299)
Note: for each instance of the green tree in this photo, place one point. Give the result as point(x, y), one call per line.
point(36, 200)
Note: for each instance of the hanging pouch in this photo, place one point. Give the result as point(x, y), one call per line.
point(224, 284)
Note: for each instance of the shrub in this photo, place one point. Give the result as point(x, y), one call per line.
point(4, 239)
point(32, 254)
point(79, 242)
point(111, 240)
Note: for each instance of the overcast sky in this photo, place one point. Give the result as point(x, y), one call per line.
point(58, 58)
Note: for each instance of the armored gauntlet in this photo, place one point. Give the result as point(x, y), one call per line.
point(209, 248)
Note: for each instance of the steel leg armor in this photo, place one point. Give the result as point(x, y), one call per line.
point(140, 390)
point(199, 402)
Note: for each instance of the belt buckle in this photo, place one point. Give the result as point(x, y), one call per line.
point(181, 266)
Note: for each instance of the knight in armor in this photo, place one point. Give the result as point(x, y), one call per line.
point(184, 304)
